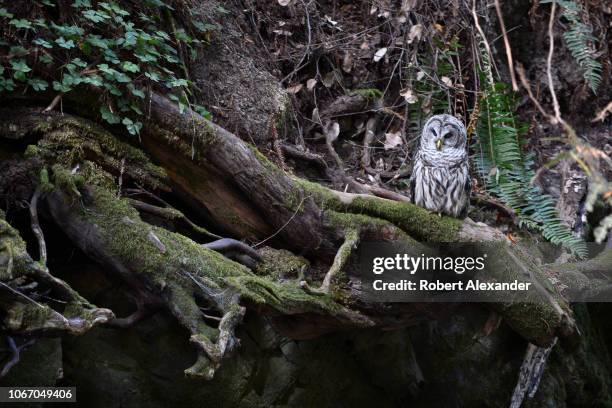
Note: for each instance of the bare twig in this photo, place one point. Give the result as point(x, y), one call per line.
point(506, 44)
point(40, 237)
point(551, 50)
point(54, 103)
point(170, 213)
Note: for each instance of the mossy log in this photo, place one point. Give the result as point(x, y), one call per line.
point(244, 194)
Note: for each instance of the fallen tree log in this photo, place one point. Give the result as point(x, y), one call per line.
point(167, 268)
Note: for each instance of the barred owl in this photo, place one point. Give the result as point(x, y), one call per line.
point(440, 178)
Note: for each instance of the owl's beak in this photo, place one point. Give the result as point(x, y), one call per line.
point(439, 144)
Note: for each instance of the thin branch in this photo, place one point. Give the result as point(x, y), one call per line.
point(551, 50)
point(507, 45)
point(40, 237)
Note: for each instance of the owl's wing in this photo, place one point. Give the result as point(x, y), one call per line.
point(467, 188)
point(412, 186)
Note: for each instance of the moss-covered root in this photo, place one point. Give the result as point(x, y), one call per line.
point(212, 343)
point(351, 239)
point(24, 315)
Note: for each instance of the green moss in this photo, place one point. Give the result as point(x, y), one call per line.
point(416, 221)
point(71, 141)
point(280, 264)
point(131, 241)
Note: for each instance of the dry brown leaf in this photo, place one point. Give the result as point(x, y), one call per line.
point(331, 130)
point(284, 3)
point(393, 139)
point(347, 63)
point(409, 96)
point(415, 33)
point(294, 88)
point(447, 81)
point(310, 84)
point(380, 54)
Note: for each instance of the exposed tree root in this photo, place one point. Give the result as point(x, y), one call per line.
point(171, 269)
point(350, 241)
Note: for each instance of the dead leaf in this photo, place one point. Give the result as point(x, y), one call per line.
point(379, 54)
point(283, 32)
point(408, 5)
point(393, 139)
point(330, 21)
point(328, 79)
point(284, 3)
point(415, 33)
point(420, 75)
point(447, 81)
point(439, 27)
point(409, 96)
point(310, 84)
point(347, 63)
point(316, 118)
point(294, 89)
point(331, 130)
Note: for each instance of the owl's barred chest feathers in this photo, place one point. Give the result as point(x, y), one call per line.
point(441, 189)
point(440, 180)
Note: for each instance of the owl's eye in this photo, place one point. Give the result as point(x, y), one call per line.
point(448, 135)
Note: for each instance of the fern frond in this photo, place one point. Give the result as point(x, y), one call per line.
point(579, 39)
point(507, 173)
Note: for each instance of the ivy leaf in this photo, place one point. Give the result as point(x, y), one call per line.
point(132, 127)
point(135, 108)
point(146, 57)
point(4, 13)
point(202, 111)
point(138, 92)
point(62, 42)
point(48, 3)
point(153, 76)
point(95, 15)
point(130, 67)
point(46, 59)
point(106, 69)
point(176, 83)
point(130, 38)
point(204, 27)
point(38, 84)
point(81, 3)
point(21, 23)
point(40, 22)
point(94, 80)
point(79, 62)
point(43, 43)
point(61, 87)
point(112, 89)
point(98, 41)
point(109, 116)
point(68, 31)
point(20, 67)
point(7, 84)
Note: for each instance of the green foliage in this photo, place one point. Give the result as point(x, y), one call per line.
point(579, 39)
point(120, 49)
point(507, 172)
